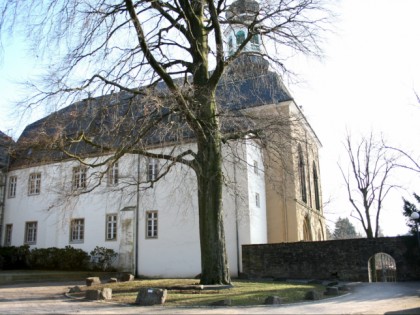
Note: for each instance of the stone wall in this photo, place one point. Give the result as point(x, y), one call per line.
point(347, 259)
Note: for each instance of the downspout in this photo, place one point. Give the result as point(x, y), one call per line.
point(136, 221)
point(238, 246)
point(3, 201)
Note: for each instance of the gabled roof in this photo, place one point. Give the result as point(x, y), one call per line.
point(99, 116)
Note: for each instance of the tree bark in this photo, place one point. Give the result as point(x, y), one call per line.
point(214, 264)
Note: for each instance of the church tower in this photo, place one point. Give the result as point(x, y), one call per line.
point(241, 15)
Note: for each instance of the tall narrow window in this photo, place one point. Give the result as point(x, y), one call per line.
point(257, 200)
point(34, 184)
point(30, 232)
point(113, 174)
point(79, 177)
point(307, 230)
point(8, 235)
point(12, 186)
point(256, 167)
point(302, 175)
point(111, 227)
point(151, 224)
point(316, 188)
point(152, 170)
point(240, 37)
point(77, 230)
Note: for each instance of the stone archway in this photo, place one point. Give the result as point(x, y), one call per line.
point(382, 268)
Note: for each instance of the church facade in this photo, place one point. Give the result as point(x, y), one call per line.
point(51, 200)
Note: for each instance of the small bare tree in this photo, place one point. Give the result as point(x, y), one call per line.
point(368, 180)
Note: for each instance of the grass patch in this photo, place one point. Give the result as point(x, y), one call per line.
point(243, 292)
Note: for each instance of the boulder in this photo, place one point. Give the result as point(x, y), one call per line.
point(106, 294)
point(127, 277)
point(75, 289)
point(150, 296)
point(92, 281)
point(93, 295)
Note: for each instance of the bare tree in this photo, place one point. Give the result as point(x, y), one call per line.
point(368, 180)
point(158, 55)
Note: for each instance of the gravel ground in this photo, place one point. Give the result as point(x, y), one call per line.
point(364, 298)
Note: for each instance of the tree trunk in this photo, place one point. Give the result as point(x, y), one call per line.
point(214, 264)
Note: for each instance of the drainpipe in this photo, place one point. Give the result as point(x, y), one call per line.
point(136, 221)
point(238, 245)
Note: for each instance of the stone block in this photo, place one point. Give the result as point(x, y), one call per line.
point(127, 277)
point(150, 296)
point(106, 294)
point(312, 295)
point(93, 295)
point(331, 291)
point(92, 281)
point(75, 289)
point(271, 300)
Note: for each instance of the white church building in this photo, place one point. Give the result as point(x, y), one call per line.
point(154, 226)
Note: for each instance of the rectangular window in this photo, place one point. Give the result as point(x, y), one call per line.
point(255, 167)
point(152, 170)
point(8, 235)
point(34, 184)
point(113, 174)
point(257, 199)
point(12, 186)
point(111, 227)
point(151, 224)
point(30, 232)
point(79, 177)
point(77, 230)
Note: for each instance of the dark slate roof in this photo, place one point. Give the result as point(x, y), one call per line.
point(6, 144)
point(99, 116)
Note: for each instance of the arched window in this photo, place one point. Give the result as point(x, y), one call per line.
point(321, 231)
point(316, 187)
point(240, 37)
point(302, 176)
point(307, 230)
point(255, 39)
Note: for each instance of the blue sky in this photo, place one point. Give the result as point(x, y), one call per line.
point(366, 82)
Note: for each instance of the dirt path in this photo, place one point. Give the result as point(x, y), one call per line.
point(365, 298)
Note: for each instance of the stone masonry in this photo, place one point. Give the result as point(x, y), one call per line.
point(342, 259)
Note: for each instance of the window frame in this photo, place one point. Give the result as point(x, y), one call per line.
point(255, 166)
point(12, 187)
point(302, 175)
point(8, 234)
point(257, 200)
point(152, 169)
point(152, 222)
point(34, 184)
point(113, 174)
point(31, 231)
point(79, 178)
point(111, 227)
point(79, 229)
point(316, 187)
